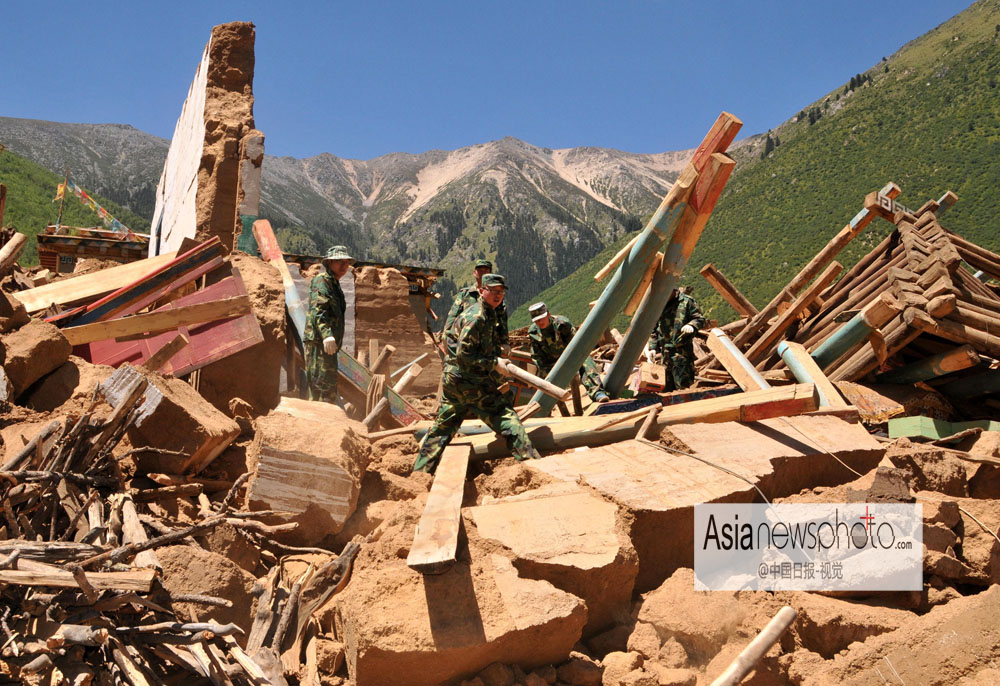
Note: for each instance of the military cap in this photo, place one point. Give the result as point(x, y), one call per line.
point(538, 311)
point(484, 263)
point(494, 280)
point(338, 252)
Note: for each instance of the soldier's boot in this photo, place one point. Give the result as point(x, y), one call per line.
point(445, 425)
point(591, 380)
point(511, 428)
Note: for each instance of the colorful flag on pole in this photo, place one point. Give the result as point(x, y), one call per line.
point(105, 216)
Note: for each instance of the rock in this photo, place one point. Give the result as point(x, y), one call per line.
point(644, 640)
point(614, 639)
point(944, 512)
point(617, 665)
point(979, 550)
point(33, 351)
point(638, 677)
point(547, 673)
point(666, 676)
point(172, 416)
point(828, 625)
point(191, 570)
point(13, 314)
point(929, 468)
point(534, 679)
point(329, 655)
point(951, 641)
point(68, 388)
point(580, 670)
point(672, 654)
point(473, 682)
point(891, 485)
point(320, 480)
point(567, 536)
point(497, 674)
point(984, 481)
point(939, 537)
point(402, 627)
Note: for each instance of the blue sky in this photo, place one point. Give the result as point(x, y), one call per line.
point(363, 79)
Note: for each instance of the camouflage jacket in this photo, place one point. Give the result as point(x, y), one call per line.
point(472, 345)
point(548, 344)
point(678, 312)
point(464, 299)
point(326, 308)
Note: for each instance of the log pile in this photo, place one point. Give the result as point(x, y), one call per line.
point(913, 309)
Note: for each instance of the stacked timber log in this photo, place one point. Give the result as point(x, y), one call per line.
point(913, 309)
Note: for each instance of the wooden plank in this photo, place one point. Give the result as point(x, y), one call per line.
point(163, 355)
point(734, 362)
point(271, 251)
point(435, 541)
point(89, 286)
point(145, 291)
point(160, 320)
point(139, 580)
point(728, 291)
point(209, 341)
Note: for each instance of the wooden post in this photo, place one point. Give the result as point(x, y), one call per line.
point(728, 291)
point(10, 251)
point(640, 292)
point(508, 368)
point(373, 353)
point(734, 362)
point(380, 365)
point(932, 367)
point(163, 355)
point(752, 654)
point(616, 260)
point(860, 327)
point(806, 370)
point(408, 378)
point(435, 540)
point(577, 400)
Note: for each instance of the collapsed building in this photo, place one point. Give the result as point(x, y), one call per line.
point(174, 511)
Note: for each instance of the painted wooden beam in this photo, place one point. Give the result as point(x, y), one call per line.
point(806, 370)
point(857, 329)
point(932, 367)
point(734, 362)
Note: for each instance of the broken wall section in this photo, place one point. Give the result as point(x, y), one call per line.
point(205, 182)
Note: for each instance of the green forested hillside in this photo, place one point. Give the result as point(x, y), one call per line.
point(928, 118)
point(30, 190)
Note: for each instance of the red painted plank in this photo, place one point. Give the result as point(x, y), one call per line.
point(209, 341)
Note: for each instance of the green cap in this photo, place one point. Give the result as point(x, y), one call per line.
point(338, 252)
point(484, 263)
point(494, 280)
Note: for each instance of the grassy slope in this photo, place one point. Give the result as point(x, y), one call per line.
point(930, 123)
point(30, 190)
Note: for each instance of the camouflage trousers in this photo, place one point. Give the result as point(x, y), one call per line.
point(321, 373)
point(679, 362)
point(458, 399)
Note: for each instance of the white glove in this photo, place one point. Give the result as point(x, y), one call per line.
point(330, 345)
point(687, 329)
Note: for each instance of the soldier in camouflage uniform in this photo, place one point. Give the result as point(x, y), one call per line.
point(471, 381)
point(550, 334)
point(469, 295)
point(325, 325)
point(673, 338)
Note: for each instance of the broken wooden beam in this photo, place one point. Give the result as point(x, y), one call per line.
point(10, 251)
point(435, 541)
point(163, 355)
point(140, 580)
point(805, 369)
point(400, 387)
point(932, 367)
point(728, 291)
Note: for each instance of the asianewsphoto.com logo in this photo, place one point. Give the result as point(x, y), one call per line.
point(866, 531)
point(836, 546)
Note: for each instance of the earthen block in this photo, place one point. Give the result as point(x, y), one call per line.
point(617, 665)
point(188, 570)
point(404, 628)
point(13, 314)
point(172, 416)
point(71, 383)
point(567, 536)
point(310, 468)
point(33, 351)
